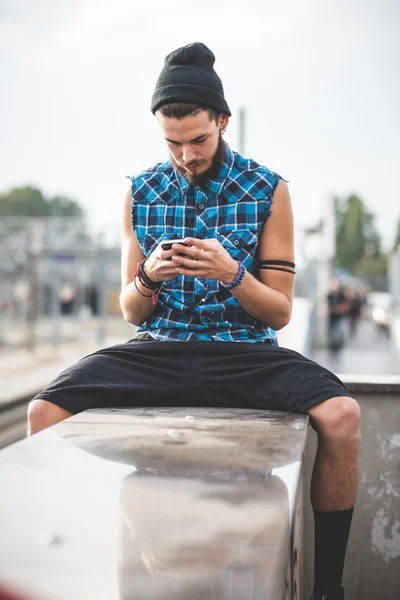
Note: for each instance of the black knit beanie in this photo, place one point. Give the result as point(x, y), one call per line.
point(188, 76)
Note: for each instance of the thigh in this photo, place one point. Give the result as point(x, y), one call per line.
point(125, 375)
point(271, 377)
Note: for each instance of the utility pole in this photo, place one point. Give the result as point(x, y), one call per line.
point(101, 289)
point(34, 250)
point(325, 263)
point(242, 126)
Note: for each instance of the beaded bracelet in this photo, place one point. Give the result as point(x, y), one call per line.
point(238, 279)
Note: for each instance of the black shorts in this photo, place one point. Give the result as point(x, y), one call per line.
point(141, 373)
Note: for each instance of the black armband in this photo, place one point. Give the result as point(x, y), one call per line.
point(277, 265)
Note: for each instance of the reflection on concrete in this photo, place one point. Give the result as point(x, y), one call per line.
point(190, 539)
point(166, 505)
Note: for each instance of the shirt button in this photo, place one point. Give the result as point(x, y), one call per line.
point(236, 242)
point(203, 300)
point(201, 206)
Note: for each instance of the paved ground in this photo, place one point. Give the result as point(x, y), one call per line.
point(368, 352)
point(23, 373)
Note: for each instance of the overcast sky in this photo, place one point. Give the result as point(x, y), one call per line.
point(319, 80)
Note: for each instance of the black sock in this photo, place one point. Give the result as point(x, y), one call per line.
point(332, 530)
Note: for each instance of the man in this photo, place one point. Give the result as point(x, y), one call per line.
point(207, 311)
point(354, 312)
point(338, 307)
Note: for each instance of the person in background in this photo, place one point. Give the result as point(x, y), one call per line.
point(354, 300)
point(338, 307)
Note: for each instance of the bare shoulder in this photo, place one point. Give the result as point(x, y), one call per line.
point(281, 201)
point(280, 222)
point(131, 252)
point(277, 238)
point(126, 222)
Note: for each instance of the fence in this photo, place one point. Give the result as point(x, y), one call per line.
point(58, 280)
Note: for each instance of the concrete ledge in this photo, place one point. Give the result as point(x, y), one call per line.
point(373, 384)
point(172, 503)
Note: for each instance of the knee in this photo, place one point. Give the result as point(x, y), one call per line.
point(337, 418)
point(42, 414)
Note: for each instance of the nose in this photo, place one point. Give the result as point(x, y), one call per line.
point(188, 154)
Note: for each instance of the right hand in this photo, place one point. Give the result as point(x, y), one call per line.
point(159, 266)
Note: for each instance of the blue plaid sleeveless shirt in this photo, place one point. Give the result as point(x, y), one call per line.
point(232, 208)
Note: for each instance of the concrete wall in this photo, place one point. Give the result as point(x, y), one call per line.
point(295, 334)
point(394, 279)
point(372, 569)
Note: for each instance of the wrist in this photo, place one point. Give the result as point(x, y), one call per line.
point(230, 273)
point(145, 278)
point(148, 272)
point(238, 278)
point(139, 284)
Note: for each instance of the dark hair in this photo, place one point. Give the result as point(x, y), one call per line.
point(180, 110)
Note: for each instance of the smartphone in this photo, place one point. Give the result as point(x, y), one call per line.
point(168, 245)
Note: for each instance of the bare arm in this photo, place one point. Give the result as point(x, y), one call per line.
point(137, 307)
point(270, 299)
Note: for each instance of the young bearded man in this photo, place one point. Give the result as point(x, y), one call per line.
point(207, 310)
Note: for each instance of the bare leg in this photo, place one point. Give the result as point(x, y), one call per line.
point(333, 490)
point(42, 414)
point(335, 474)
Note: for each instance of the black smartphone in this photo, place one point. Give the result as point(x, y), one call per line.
point(168, 245)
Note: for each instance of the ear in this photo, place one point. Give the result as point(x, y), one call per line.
point(223, 122)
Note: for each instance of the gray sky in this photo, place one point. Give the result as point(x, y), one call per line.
point(319, 80)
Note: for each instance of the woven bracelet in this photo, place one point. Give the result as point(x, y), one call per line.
point(238, 279)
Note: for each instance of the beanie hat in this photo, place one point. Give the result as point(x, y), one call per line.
point(188, 76)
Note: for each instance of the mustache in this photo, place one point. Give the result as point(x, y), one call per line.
point(194, 163)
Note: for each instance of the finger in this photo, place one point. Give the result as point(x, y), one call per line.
point(188, 262)
point(191, 252)
point(197, 243)
point(164, 265)
point(165, 254)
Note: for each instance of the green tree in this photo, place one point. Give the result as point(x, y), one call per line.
point(356, 235)
point(61, 206)
point(29, 201)
point(358, 243)
point(24, 201)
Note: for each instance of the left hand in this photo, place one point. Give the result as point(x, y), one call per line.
point(205, 258)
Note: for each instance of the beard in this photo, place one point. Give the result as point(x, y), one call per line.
point(200, 179)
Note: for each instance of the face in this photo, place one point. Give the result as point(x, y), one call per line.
point(334, 285)
point(195, 144)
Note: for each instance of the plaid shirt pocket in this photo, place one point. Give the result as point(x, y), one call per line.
point(154, 237)
point(240, 243)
